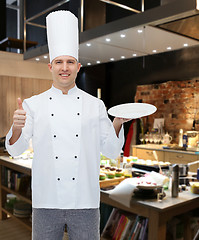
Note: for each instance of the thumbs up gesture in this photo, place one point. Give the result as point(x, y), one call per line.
point(19, 117)
point(19, 103)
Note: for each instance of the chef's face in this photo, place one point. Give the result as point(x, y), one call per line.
point(64, 71)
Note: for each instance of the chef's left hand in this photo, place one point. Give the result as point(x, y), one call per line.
point(120, 121)
point(117, 124)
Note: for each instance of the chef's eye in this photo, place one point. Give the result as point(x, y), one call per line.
point(58, 62)
point(71, 61)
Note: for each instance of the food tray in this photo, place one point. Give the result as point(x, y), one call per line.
point(110, 182)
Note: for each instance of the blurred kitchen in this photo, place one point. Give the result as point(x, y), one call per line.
point(131, 52)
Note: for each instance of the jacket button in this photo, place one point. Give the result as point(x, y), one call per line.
point(77, 97)
point(78, 114)
point(73, 178)
point(56, 157)
point(76, 135)
point(50, 98)
point(58, 179)
point(75, 156)
point(52, 114)
point(54, 136)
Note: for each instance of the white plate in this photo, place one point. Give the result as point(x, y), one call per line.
point(132, 110)
point(148, 186)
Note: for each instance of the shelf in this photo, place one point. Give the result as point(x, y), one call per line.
point(22, 166)
point(25, 199)
point(25, 221)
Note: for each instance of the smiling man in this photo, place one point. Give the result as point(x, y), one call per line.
point(69, 129)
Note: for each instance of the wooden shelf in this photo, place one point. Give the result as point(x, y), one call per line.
point(25, 199)
point(16, 43)
point(22, 166)
point(25, 221)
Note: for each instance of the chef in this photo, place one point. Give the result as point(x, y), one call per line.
point(69, 128)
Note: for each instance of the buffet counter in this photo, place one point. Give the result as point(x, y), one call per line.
point(167, 154)
point(165, 148)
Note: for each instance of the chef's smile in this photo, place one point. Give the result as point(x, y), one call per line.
point(63, 75)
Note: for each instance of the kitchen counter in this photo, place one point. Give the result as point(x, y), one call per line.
point(167, 154)
point(166, 148)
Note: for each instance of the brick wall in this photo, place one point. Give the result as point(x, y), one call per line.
point(176, 101)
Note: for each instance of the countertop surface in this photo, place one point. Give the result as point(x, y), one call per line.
point(26, 163)
point(167, 203)
point(166, 148)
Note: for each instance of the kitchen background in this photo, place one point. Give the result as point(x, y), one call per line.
point(168, 80)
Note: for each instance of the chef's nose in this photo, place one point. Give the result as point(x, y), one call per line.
point(65, 66)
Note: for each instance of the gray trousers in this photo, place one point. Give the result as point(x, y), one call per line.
point(49, 224)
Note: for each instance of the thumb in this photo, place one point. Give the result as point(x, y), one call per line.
point(19, 103)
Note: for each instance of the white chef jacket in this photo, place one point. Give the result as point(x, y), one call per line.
point(68, 133)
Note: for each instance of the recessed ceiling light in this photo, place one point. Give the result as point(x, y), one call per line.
point(140, 30)
point(154, 51)
point(168, 48)
point(122, 57)
point(88, 44)
point(45, 56)
point(97, 61)
point(88, 64)
point(112, 59)
point(108, 39)
point(134, 55)
point(37, 59)
point(185, 45)
point(122, 35)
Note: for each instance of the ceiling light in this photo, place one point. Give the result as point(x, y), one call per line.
point(122, 57)
point(134, 55)
point(88, 64)
point(168, 48)
point(112, 59)
point(154, 51)
point(37, 59)
point(108, 39)
point(45, 56)
point(185, 45)
point(122, 35)
point(88, 44)
point(140, 30)
point(98, 62)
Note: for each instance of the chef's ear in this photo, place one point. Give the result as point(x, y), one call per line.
point(50, 67)
point(79, 66)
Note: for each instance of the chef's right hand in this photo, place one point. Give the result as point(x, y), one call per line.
point(19, 117)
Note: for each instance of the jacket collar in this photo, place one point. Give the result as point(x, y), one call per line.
point(72, 91)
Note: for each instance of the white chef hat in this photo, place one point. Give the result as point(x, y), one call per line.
point(62, 34)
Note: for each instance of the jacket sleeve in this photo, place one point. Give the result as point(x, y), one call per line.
point(111, 145)
point(22, 143)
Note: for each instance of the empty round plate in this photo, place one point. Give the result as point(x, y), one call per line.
point(132, 110)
